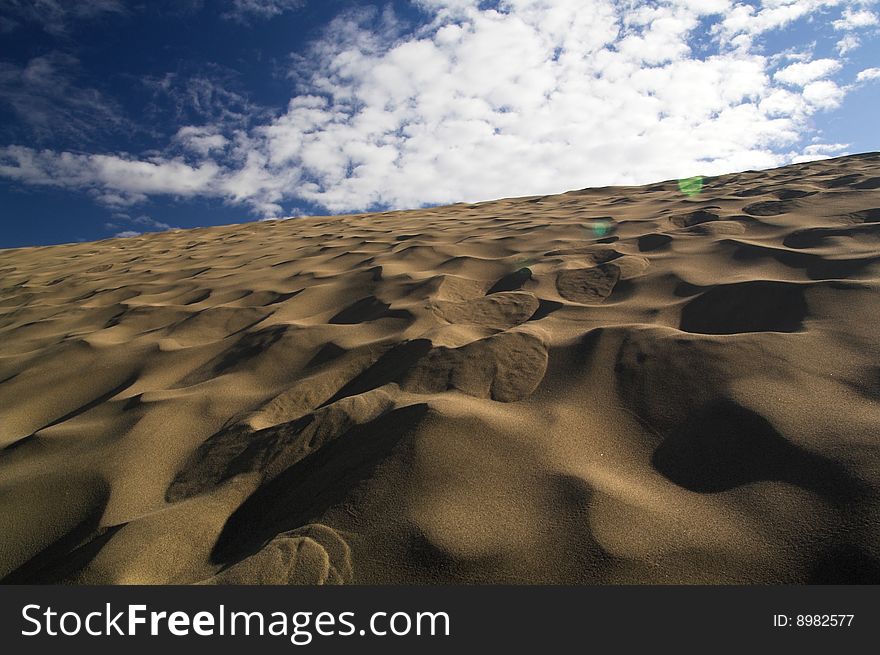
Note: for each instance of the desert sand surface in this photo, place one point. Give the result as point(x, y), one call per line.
point(615, 385)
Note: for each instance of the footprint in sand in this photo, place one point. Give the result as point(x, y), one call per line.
point(588, 285)
point(768, 208)
point(311, 555)
point(506, 367)
point(499, 310)
point(694, 218)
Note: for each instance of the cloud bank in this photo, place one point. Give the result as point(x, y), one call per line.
point(525, 97)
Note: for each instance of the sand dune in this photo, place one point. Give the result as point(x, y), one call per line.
point(612, 385)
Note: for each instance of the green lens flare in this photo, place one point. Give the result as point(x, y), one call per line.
point(601, 228)
point(691, 186)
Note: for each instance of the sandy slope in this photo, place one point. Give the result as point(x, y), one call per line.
point(609, 385)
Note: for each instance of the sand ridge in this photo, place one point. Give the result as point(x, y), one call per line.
point(614, 385)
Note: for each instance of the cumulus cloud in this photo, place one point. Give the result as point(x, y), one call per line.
point(823, 94)
point(855, 18)
point(800, 73)
point(868, 74)
point(529, 97)
point(853, 22)
point(744, 22)
point(821, 151)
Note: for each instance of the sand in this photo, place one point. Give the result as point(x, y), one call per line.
point(615, 385)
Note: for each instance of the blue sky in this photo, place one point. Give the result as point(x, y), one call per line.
point(120, 117)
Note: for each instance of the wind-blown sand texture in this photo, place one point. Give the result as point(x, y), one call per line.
point(606, 386)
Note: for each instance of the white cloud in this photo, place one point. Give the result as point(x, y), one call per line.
point(852, 21)
point(208, 97)
point(825, 148)
point(243, 10)
point(201, 140)
point(847, 43)
point(800, 74)
point(855, 18)
point(821, 151)
point(142, 221)
point(868, 74)
point(55, 16)
point(116, 180)
point(744, 22)
point(44, 97)
point(824, 94)
point(151, 223)
point(538, 96)
point(126, 234)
